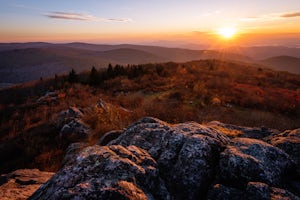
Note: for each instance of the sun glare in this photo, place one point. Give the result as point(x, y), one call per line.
point(227, 32)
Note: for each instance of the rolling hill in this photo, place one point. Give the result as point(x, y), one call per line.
point(31, 61)
point(283, 63)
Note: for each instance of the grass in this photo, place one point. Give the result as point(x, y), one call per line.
point(200, 91)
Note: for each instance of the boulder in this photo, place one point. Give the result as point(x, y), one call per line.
point(152, 159)
point(253, 190)
point(247, 160)
point(109, 136)
point(289, 141)
point(22, 183)
point(242, 131)
point(66, 116)
point(106, 172)
point(186, 153)
point(72, 151)
point(75, 131)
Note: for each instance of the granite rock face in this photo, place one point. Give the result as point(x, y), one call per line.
point(156, 160)
point(246, 160)
point(22, 183)
point(109, 172)
point(186, 153)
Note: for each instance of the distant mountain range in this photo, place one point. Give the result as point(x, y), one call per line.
point(283, 63)
point(22, 62)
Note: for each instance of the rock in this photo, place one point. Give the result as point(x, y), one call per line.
point(48, 98)
point(222, 192)
point(66, 116)
point(156, 160)
point(72, 151)
point(22, 183)
point(74, 131)
point(186, 153)
point(106, 172)
point(241, 131)
point(289, 141)
point(109, 136)
point(253, 190)
point(247, 160)
point(257, 190)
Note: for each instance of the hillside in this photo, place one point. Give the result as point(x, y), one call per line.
point(67, 113)
point(32, 61)
point(283, 63)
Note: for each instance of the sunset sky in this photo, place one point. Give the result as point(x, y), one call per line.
point(140, 21)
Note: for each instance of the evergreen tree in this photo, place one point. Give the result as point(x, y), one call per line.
point(94, 76)
point(73, 77)
point(109, 71)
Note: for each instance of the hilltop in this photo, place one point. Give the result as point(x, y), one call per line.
point(67, 113)
point(23, 62)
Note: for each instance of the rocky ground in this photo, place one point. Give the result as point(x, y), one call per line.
point(22, 183)
point(152, 159)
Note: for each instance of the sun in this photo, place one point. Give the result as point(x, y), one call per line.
point(227, 32)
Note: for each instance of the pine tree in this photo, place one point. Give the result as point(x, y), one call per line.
point(73, 77)
point(94, 77)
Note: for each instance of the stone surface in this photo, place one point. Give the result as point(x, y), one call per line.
point(108, 172)
point(72, 151)
point(289, 141)
point(22, 183)
point(242, 131)
point(156, 160)
point(246, 160)
point(109, 136)
point(75, 131)
point(254, 190)
point(186, 153)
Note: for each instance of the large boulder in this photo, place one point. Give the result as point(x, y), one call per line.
point(247, 160)
point(242, 131)
point(253, 190)
point(152, 159)
point(68, 115)
point(109, 136)
point(289, 141)
point(22, 183)
point(186, 153)
point(107, 172)
point(72, 151)
point(75, 131)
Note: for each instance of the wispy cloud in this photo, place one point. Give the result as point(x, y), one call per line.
point(70, 16)
point(82, 17)
point(271, 17)
point(216, 12)
point(292, 14)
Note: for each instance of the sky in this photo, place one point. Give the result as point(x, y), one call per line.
point(273, 22)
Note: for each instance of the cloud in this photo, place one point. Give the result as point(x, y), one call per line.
point(270, 17)
point(292, 14)
point(82, 17)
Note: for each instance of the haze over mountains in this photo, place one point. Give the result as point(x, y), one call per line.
point(22, 62)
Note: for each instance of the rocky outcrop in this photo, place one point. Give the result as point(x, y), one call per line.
point(156, 160)
point(186, 153)
point(72, 128)
point(254, 190)
point(108, 172)
point(72, 151)
point(242, 131)
point(289, 141)
point(109, 136)
point(246, 160)
point(22, 183)
point(74, 131)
